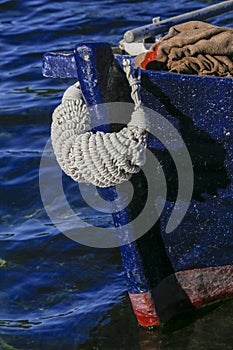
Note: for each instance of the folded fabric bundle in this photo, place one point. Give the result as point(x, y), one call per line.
point(192, 48)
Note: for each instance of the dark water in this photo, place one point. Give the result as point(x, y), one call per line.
point(54, 293)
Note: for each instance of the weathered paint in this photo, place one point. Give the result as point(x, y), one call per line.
point(182, 291)
point(94, 62)
point(166, 272)
point(144, 309)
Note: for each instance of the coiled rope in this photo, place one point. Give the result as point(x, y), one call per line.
point(103, 159)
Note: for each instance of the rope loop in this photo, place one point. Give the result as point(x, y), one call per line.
point(135, 83)
point(103, 159)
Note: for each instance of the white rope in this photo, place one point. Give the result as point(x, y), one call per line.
point(103, 159)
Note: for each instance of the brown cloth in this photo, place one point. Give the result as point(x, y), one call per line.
point(192, 48)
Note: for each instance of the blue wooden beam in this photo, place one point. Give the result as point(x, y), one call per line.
point(59, 65)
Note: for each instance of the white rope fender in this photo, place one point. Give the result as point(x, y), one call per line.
point(103, 159)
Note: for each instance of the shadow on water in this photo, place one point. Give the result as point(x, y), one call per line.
point(187, 332)
point(210, 328)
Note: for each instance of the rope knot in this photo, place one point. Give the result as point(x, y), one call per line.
point(103, 159)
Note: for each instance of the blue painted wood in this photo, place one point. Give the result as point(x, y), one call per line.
point(59, 65)
point(94, 62)
point(201, 108)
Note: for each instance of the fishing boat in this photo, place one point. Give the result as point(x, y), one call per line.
point(185, 263)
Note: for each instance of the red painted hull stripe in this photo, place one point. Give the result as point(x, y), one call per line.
point(183, 289)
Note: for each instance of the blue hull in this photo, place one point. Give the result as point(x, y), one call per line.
point(184, 264)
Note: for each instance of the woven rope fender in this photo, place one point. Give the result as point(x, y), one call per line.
point(103, 159)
